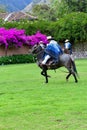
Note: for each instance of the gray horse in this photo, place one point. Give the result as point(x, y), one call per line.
point(64, 60)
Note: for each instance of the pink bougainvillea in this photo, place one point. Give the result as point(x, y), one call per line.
point(15, 37)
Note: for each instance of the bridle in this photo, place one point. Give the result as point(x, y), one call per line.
point(39, 52)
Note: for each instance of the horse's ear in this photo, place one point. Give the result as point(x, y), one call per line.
point(35, 45)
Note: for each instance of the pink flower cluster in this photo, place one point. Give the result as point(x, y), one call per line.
point(15, 37)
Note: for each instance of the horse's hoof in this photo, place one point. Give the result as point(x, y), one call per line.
point(66, 79)
point(46, 82)
point(76, 81)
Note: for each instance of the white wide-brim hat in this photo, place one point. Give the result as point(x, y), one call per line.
point(66, 40)
point(49, 37)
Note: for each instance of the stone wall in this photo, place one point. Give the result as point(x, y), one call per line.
point(80, 54)
point(14, 51)
point(80, 50)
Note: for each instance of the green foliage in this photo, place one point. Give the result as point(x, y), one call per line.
point(16, 59)
point(60, 8)
point(77, 5)
point(64, 7)
point(44, 12)
point(72, 26)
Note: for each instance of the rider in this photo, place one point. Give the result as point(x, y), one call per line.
point(52, 50)
point(68, 46)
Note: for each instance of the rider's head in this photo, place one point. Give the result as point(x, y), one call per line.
point(50, 38)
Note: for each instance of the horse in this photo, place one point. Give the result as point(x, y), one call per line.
point(67, 51)
point(65, 60)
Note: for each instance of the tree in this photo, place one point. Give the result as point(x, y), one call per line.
point(44, 12)
point(77, 5)
point(60, 7)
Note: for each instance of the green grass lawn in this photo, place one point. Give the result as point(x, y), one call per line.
point(27, 103)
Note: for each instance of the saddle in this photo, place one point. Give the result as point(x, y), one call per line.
point(52, 64)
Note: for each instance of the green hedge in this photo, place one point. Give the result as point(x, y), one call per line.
point(16, 59)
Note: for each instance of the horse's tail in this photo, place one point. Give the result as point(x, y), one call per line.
point(74, 67)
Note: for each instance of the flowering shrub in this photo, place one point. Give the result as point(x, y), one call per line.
point(15, 37)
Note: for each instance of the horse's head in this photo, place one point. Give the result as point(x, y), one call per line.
point(67, 51)
point(37, 49)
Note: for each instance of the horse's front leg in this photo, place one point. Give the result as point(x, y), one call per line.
point(46, 76)
point(44, 73)
point(74, 77)
point(67, 77)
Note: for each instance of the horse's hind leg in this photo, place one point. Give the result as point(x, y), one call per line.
point(71, 72)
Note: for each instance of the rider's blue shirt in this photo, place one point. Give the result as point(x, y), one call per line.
point(68, 46)
point(54, 49)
